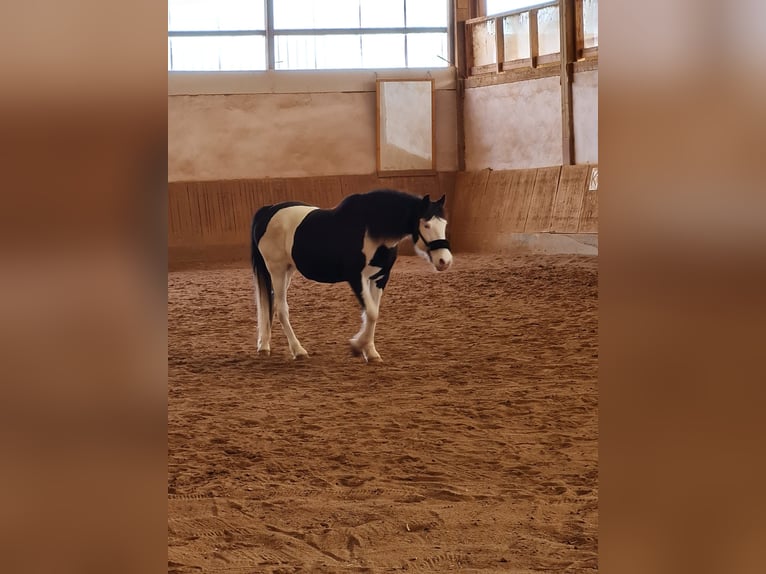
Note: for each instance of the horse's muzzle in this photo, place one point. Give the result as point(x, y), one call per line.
point(441, 261)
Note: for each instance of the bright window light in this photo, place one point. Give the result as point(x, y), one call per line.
point(307, 34)
point(217, 53)
point(427, 50)
point(189, 15)
point(377, 14)
point(383, 51)
point(498, 6)
point(315, 14)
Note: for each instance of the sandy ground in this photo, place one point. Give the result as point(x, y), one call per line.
point(472, 448)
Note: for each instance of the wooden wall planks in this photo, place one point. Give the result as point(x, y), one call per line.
point(490, 206)
point(469, 201)
point(589, 215)
point(496, 212)
point(543, 196)
point(521, 190)
point(567, 207)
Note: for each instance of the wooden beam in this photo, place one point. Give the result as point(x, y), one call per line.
point(499, 43)
point(586, 65)
point(514, 75)
point(567, 42)
point(478, 8)
point(579, 33)
point(462, 10)
point(538, 6)
point(468, 39)
point(534, 39)
point(461, 38)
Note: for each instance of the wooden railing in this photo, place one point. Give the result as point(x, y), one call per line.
point(523, 38)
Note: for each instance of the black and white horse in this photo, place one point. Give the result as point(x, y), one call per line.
point(354, 242)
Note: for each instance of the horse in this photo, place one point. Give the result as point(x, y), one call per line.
point(355, 242)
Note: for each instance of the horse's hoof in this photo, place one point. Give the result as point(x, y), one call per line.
point(264, 352)
point(355, 351)
point(301, 356)
point(374, 359)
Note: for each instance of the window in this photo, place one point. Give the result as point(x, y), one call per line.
point(307, 34)
point(589, 10)
point(499, 6)
point(216, 35)
point(531, 35)
point(590, 23)
point(548, 32)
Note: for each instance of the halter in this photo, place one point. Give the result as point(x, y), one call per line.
point(431, 245)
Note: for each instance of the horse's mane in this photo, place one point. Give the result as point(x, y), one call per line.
point(385, 213)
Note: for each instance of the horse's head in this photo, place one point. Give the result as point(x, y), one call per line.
point(430, 238)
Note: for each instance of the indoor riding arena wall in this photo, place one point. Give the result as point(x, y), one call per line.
point(311, 138)
point(489, 211)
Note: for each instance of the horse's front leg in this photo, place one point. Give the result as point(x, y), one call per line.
point(363, 343)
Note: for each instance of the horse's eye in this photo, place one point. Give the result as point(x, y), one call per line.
point(427, 226)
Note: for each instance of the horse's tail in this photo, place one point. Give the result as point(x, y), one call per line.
point(264, 294)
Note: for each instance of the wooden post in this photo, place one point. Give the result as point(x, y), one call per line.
point(467, 30)
point(579, 34)
point(464, 56)
point(499, 43)
point(534, 39)
point(478, 8)
point(567, 56)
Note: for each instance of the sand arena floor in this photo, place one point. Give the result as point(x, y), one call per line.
point(472, 448)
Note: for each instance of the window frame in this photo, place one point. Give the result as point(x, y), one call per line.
point(535, 65)
point(270, 33)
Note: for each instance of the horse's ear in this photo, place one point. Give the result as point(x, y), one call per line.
point(441, 200)
point(425, 203)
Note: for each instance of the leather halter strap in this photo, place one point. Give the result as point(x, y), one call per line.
point(435, 244)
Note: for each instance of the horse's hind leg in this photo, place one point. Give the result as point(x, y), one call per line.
point(264, 319)
point(281, 282)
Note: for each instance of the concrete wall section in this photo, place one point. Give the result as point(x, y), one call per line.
point(514, 125)
point(262, 135)
point(585, 112)
point(270, 135)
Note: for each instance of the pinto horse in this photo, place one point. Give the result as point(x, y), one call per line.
point(355, 242)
